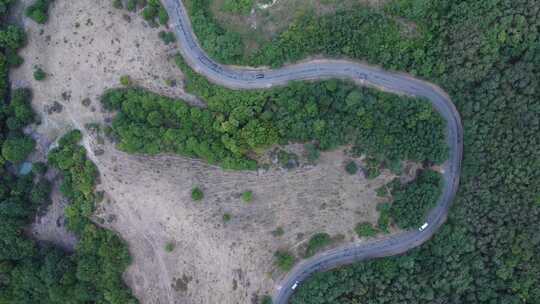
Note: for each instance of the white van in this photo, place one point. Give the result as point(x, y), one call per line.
point(295, 285)
point(423, 227)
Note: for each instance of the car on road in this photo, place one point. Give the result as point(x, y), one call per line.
point(295, 285)
point(423, 227)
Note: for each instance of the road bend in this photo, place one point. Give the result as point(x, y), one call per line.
point(365, 75)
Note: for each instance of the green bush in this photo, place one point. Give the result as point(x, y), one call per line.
point(351, 168)
point(12, 37)
point(365, 230)
point(266, 300)
point(316, 243)
point(278, 232)
point(167, 37)
point(17, 149)
point(197, 194)
point(131, 5)
point(247, 196)
point(169, 247)
point(39, 74)
point(163, 16)
point(125, 80)
point(118, 4)
point(227, 217)
point(284, 260)
point(39, 11)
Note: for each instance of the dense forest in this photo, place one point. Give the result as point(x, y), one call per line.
point(32, 272)
point(236, 124)
point(486, 55)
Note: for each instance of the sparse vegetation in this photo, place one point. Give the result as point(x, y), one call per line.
point(197, 194)
point(227, 217)
point(284, 260)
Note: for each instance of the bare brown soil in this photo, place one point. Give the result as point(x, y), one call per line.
point(85, 48)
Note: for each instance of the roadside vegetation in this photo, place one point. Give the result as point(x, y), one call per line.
point(387, 127)
point(317, 243)
point(284, 260)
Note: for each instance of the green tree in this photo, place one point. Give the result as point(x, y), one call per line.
point(284, 260)
point(17, 149)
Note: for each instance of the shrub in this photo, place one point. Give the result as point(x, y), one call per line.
point(39, 74)
point(365, 230)
point(197, 194)
point(266, 299)
point(131, 5)
point(117, 4)
point(125, 80)
point(284, 260)
point(247, 196)
point(227, 217)
point(149, 13)
point(163, 16)
point(351, 168)
point(167, 37)
point(278, 232)
point(169, 247)
point(316, 243)
point(39, 11)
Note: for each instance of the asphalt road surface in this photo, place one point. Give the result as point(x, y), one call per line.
point(366, 75)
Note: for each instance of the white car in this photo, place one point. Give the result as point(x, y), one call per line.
point(295, 285)
point(423, 227)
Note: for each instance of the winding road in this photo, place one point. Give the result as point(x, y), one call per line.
point(366, 75)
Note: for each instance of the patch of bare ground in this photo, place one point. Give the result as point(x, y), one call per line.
point(149, 203)
point(84, 49)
